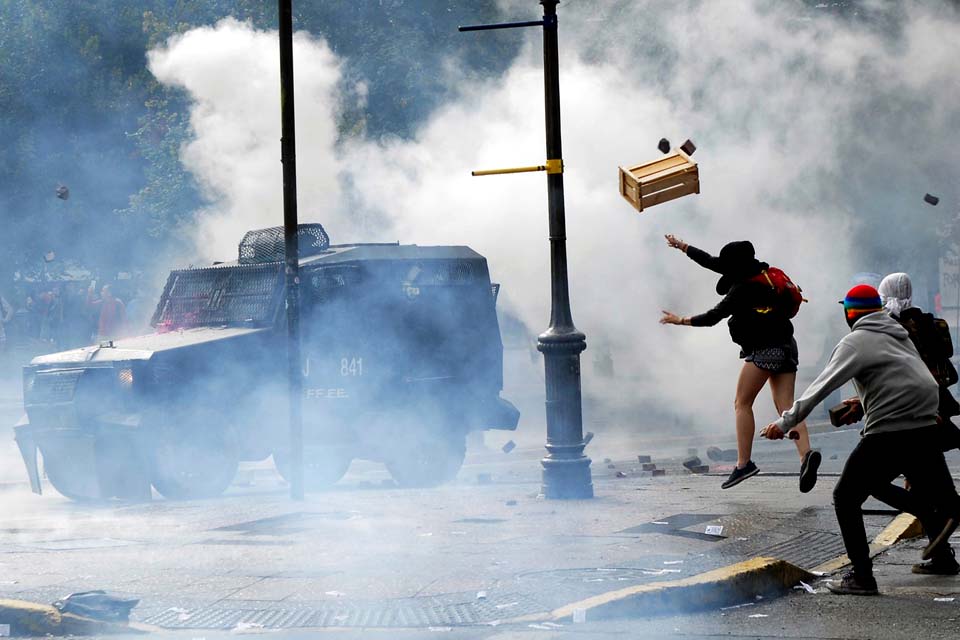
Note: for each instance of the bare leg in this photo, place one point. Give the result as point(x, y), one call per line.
point(752, 378)
point(782, 387)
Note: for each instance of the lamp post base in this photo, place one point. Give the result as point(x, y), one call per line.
point(567, 479)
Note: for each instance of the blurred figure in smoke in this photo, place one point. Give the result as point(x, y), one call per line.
point(764, 333)
point(112, 314)
point(6, 315)
point(900, 398)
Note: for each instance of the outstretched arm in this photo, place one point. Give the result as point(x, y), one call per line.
point(699, 256)
point(843, 366)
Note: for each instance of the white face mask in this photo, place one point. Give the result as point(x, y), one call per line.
point(896, 293)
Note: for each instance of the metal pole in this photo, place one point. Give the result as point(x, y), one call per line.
point(566, 470)
point(291, 249)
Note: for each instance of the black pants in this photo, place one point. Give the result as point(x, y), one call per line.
point(871, 468)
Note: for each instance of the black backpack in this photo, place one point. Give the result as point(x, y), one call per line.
point(932, 338)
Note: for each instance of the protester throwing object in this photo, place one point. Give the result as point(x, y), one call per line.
point(760, 301)
point(899, 398)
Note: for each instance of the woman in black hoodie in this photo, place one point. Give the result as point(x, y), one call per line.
point(764, 333)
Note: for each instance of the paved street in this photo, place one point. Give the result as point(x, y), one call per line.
point(465, 559)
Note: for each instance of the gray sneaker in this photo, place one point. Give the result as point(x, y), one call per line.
point(854, 585)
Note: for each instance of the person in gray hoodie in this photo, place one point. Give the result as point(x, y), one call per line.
point(899, 398)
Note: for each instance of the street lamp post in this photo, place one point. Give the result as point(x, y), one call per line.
point(566, 470)
point(288, 147)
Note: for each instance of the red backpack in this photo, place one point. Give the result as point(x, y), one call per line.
point(789, 296)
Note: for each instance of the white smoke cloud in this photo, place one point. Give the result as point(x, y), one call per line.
point(232, 73)
point(779, 99)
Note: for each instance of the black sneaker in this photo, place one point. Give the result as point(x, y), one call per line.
point(854, 585)
point(948, 529)
point(808, 470)
point(738, 475)
point(943, 564)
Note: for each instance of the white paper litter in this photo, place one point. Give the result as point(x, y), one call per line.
point(481, 595)
point(246, 626)
point(944, 599)
point(660, 522)
point(506, 606)
point(552, 625)
point(738, 606)
point(803, 585)
point(579, 616)
point(673, 562)
point(439, 628)
point(714, 530)
point(539, 626)
point(4, 631)
point(335, 594)
point(758, 615)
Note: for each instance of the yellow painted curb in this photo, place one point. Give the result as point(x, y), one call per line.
point(32, 619)
point(721, 587)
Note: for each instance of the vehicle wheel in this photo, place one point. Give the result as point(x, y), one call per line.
point(202, 466)
point(71, 480)
point(322, 468)
point(433, 460)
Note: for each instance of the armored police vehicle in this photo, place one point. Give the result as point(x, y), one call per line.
point(401, 358)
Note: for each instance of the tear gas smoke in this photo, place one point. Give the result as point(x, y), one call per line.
point(816, 132)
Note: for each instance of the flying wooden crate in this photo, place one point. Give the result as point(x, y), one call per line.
point(672, 176)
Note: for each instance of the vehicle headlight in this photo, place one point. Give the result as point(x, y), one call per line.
point(125, 378)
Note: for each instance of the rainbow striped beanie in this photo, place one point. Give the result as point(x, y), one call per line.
point(860, 301)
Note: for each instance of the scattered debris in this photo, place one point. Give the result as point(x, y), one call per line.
point(607, 460)
point(834, 456)
point(611, 466)
point(579, 616)
point(509, 446)
point(944, 599)
point(758, 615)
point(714, 530)
point(484, 478)
point(931, 199)
point(659, 522)
point(539, 626)
point(63, 192)
point(426, 535)
point(648, 466)
point(722, 455)
point(688, 147)
point(97, 605)
point(805, 587)
point(658, 472)
point(692, 462)
point(664, 145)
point(552, 625)
point(643, 459)
point(511, 503)
point(587, 438)
point(247, 626)
point(439, 628)
point(337, 594)
point(738, 606)
point(673, 562)
point(621, 474)
point(481, 595)
point(4, 631)
point(506, 606)
point(703, 468)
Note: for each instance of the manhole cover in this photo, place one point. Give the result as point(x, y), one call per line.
point(808, 549)
point(434, 611)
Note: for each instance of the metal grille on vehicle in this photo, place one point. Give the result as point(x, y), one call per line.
point(267, 245)
point(53, 386)
point(220, 295)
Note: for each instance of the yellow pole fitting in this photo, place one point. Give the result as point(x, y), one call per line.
point(552, 166)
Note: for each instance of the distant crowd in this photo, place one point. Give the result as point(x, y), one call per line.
point(66, 315)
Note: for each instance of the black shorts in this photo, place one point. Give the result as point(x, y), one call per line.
point(779, 359)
